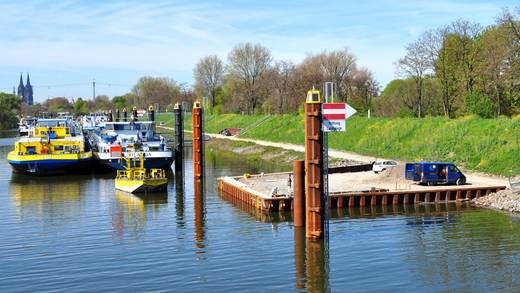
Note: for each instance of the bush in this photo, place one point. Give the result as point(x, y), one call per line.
point(480, 104)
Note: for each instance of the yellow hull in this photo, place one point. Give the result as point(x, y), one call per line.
point(13, 156)
point(140, 186)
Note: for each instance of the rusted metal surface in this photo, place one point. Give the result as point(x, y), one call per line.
point(179, 138)
point(197, 141)
point(237, 192)
point(299, 193)
point(314, 192)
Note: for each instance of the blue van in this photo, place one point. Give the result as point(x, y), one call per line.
point(433, 173)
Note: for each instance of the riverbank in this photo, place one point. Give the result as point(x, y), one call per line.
point(505, 200)
point(489, 146)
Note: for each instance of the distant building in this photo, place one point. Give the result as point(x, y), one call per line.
point(25, 91)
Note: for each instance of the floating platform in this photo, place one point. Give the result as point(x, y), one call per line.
point(271, 192)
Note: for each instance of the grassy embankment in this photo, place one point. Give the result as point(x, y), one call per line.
point(485, 145)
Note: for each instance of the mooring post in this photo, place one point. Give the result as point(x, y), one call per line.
point(151, 114)
point(134, 114)
point(196, 117)
point(179, 137)
point(117, 115)
point(110, 117)
point(125, 115)
point(314, 188)
point(299, 193)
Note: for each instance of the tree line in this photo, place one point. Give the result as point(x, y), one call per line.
point(252, 82)
point(458, 69)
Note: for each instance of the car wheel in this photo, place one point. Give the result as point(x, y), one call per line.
point(431, 183)
point(376, 172)
point(460, 181)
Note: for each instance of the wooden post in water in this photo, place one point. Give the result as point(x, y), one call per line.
point(314, 188)
point(179, 137)
point(198, 167)
point(299, 193)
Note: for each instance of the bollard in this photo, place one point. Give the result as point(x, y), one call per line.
point(125, 115)
point(134, 114)
point(299, 193)
point(314, 195)
point(117, 115)
point(198, 168)
point(110, 117)
point(179, 137)
point(151, 114)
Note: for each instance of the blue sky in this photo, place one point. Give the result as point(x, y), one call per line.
point(64, 45)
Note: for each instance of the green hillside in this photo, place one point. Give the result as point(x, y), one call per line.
point(485, 145)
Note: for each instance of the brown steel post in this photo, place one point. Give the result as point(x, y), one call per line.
point(197, 140)
point(314, 195)
point(299, 193)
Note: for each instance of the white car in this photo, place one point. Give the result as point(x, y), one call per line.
point(380, 166)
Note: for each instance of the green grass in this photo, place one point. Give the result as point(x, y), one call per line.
point(485, 145)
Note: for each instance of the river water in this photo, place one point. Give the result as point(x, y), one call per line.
point(75, 233)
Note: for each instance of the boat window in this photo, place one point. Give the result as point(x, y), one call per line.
point(58, 148)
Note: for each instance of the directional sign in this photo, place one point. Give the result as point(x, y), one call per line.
point(334, 116)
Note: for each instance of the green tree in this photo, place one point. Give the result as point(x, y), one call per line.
point(9, 107)
point(80, 106)
point(119, 102)
point(58, 104)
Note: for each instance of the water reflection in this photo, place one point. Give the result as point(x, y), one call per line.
point(311, 262)
point(51, 199)
point(199, 214)
point(179, 200)
point(131, 211)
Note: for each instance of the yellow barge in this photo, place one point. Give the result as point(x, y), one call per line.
point(52, 147)
point(136, 179)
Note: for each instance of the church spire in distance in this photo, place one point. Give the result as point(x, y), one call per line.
point(21, 87)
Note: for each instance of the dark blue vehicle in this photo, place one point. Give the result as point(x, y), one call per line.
point(433, 173)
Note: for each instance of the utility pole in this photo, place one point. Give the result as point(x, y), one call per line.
point(93, 89)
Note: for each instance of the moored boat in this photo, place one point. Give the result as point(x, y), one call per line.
point(126, 139)
point(52, 147)
point(135, 178)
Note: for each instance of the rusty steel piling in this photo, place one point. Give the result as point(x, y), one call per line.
point(198, 168)
point(314, 187)
point(299, 193)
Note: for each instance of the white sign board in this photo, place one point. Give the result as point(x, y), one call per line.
point(333, 125)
